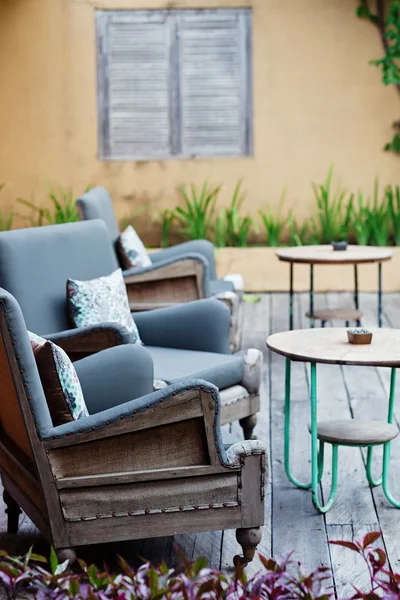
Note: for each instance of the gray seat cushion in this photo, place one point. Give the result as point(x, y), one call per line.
point(170, 365)
point(219, 285)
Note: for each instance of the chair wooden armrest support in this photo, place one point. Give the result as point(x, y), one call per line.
point(78, 343)
point(165, 285)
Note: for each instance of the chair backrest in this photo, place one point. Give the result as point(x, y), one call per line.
point(97, 204)
point(20, 387)
point(35, 264)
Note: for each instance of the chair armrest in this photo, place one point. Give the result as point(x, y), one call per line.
point(78, 343)
point(237, 453)
point(170, 281)
point(202, 325)
point(190, 409)
point(115, 376)
point(252, 369)
point(203, 247)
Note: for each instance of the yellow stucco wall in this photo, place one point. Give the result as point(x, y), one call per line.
point(316, 101)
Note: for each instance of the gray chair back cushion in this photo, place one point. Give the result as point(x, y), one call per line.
point(35, 264)
point(97, 204)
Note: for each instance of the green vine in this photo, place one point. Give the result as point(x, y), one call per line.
point(387, 20)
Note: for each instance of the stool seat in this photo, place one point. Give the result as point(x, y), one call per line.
point(351, 432)
point(336, 314)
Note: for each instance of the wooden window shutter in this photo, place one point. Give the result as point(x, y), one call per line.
point(134, 95)
point(214, 82)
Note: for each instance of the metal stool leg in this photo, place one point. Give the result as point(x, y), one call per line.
point(291, 293)
point(356, 300)
point(312, 295)
point(379, 294)
point(315, 470)
point(386, 447)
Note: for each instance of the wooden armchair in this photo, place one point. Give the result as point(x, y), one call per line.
point(182, 273)
point(187, 341)
point(151, 466)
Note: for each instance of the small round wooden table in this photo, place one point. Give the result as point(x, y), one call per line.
point(331, 346)
point(325, 255)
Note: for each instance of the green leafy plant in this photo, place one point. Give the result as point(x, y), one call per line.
point(6, 219)
point(387, 20)
point(273, 221)
point(231, 228)
point(63, 208)
point(302, 233)
point(166, 218)
point(220, 237)
point(195, 218)
point(333, 217)
point(393, 202)
point(361, 221)
point(379, 221)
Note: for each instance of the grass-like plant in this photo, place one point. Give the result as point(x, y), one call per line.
point(379, 218)
point(6, 219)
point(274, 222)
point(333, 217)
point(195, 218)
point(166, 218)
point(301, 233)
point(63, 209)
point(233, 229)
point(361, 220)
point(392, 194)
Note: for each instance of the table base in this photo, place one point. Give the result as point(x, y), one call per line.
point(313, 315)
point(318, 447)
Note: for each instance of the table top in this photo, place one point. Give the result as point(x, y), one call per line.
point(330, 345)
point(327, 255)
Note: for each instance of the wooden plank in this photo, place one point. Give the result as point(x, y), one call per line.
point(354, 504)
point(349, 568)
point(354, 512)
point(294, 520)
point(137, 476)
point(256, 322)
point(276, 366)
point(354, 509)
point(376, 404)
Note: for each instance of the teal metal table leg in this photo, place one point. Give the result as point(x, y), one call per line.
point(304, 486)
point(315, 479)
point(386, 447)
point(291, 478)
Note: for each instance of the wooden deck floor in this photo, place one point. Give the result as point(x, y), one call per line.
point(291, 521)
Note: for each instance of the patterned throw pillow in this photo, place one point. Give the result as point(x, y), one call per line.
point(130, 249)
point(59, 380)
point(102, 299)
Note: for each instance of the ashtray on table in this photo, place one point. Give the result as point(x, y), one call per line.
point(358, 335)
point(339, 246)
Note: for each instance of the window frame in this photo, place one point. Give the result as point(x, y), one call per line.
point(171, 16)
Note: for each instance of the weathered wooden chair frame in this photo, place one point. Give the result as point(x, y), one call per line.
point(72, 241)
point(171, 280)
point(63, 477)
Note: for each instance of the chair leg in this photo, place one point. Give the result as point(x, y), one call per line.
point(248, 424)
point(249, 540)
point(13, 511)
point(64, 554)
